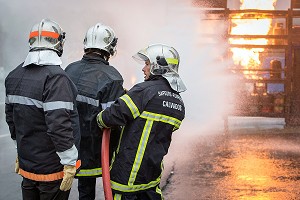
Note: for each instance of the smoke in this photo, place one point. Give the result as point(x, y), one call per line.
point(137, 23)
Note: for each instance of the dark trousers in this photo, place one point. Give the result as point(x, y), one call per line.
point(151, 194)
point(86, 188)
point(36, 190)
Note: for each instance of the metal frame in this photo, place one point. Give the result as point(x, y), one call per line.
point(285, 43)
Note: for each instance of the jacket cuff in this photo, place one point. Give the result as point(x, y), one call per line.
point(68, 157)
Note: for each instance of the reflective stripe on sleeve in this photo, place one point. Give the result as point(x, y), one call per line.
point(24, 101)
point(106, 105)
point(68, 157)
point(58, 105)
point(42, 177)
point(133, 108)
point(100, 121)
point(93, 102)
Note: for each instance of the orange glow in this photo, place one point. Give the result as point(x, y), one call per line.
point(248, 58)
point(133, 80)
point(254, 171)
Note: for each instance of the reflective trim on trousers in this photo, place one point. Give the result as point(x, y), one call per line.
point(90, 172)
point(134, 188)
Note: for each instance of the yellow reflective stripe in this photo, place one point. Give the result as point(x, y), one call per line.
point(158, 190)
point(134, 188)
point(99, 119)
point(118, 148)
point(117, 196)
point(90, 172)
point(140, 152)
point(172, 61)
point(134, 110)
point(120, 139)
point(162, 118)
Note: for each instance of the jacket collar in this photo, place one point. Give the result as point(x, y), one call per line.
point(94, 57)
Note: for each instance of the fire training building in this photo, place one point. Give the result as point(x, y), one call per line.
point(271, 71)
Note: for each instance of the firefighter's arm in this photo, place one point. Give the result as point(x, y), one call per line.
point(125, 108)
point(11, 125)
point(58, 108)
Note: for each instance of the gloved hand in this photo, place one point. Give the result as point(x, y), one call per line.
point(17, 166)
point(69, 173)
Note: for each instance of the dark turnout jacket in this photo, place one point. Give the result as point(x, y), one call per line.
point(99, 85)
point(42, 118)
point(149, 112)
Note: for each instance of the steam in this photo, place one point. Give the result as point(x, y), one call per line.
point(137, 23)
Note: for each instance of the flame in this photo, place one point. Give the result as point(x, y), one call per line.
point(249, 58)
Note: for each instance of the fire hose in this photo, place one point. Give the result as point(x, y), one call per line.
point(105, 164)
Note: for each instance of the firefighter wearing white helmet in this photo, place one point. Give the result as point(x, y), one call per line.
point(41, 116)
point(47, 35)
point(99, 84)
point(101, 37)
point(164, 60)
point(149, 112)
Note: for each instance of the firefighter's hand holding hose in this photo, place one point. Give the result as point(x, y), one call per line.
point(69, 173)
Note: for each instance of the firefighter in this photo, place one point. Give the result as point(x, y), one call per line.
point(42, 116)
point(99, 84)
point(149, 113)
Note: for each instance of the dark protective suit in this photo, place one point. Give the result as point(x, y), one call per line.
point(39, 103)
point(150, 112)
point(99, 85)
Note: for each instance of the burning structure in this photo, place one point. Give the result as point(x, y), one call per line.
point(264, 46)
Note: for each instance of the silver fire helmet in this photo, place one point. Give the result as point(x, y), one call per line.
point(101, 37)
point(164, 60)
point(47, 35)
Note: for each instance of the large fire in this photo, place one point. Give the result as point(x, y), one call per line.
point(248, 58)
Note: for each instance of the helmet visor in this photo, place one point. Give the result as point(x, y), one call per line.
point(140, 58)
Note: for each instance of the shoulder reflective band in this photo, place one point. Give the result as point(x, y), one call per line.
point(42, 177)
point(173, 61)
point(134, 110)
point(44, 34)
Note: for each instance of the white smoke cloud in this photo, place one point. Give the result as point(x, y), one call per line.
point(137, 23)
